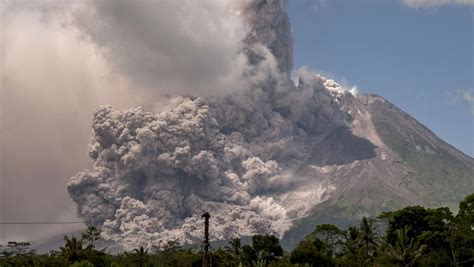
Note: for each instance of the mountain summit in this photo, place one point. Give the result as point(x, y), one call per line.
point(384, 160)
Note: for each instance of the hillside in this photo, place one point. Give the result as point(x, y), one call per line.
point(385, 160)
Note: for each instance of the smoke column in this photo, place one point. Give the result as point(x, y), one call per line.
point(232, 154)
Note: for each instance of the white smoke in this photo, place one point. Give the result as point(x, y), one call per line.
point(154, 174)
point(50, 84)
point(184, 48)
point(467, 96)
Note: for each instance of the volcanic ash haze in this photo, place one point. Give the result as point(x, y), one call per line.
point(154, 174)
point(258, 159)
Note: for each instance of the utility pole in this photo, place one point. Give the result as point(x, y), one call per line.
point(205, 257)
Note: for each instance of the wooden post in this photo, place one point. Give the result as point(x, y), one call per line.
point(205, 258)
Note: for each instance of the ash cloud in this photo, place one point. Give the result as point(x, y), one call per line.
point(50, 86)
point(205, 48)
point(183, 48)
point(53, 79)
point(154, 174)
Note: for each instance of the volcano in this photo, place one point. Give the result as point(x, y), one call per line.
point(273, 157)
point(383, 161)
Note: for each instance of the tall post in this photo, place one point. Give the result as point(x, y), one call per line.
point(205, 257)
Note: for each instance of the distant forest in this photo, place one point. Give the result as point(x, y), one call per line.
point(412, 236)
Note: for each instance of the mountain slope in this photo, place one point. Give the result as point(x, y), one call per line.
point(446, 174)
point(384, 160)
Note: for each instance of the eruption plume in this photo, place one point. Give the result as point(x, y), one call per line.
point(155, 174)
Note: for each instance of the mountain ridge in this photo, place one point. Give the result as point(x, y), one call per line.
point(411, 166)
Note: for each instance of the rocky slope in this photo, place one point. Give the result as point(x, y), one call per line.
point(385, 159)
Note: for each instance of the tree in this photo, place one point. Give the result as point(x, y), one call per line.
point(235, 250)
point(168, 253)
point(20, 248)
point(17, 253)
point(368, 237)
point(235, 247)
point(310, 251)
point(89, 237)
point(466, 209)
point(413, 217)
point(351, 252)
point(459, 234)
point(332, 237)
point(223, 258)
point(82, 264)
point(72, 250)
point(141, 256)
point(249, 255)
point(405, 252)
point(448, 239)
point(267, 247)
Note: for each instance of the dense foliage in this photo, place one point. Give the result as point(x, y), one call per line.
point(413, 236)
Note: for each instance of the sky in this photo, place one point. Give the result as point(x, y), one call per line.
point(417, 56)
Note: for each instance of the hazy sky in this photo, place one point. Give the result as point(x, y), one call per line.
point(418, 54)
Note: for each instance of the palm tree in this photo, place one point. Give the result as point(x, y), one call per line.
point(89, 237)
point(406, 251)
point(72, 250)
point(368, 236)
point(352, 244)
point(141, 256)
point(235, 247)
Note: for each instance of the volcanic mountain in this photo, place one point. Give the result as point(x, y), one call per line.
point(341, 158)
point(384, 160)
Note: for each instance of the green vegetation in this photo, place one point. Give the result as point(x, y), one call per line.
point(412, 236)
point(444, 176)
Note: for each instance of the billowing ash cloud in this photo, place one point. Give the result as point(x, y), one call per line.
point(186, 47)
point(233, 155)
point(154, 173)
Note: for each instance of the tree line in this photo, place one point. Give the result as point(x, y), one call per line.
point(412, 236)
